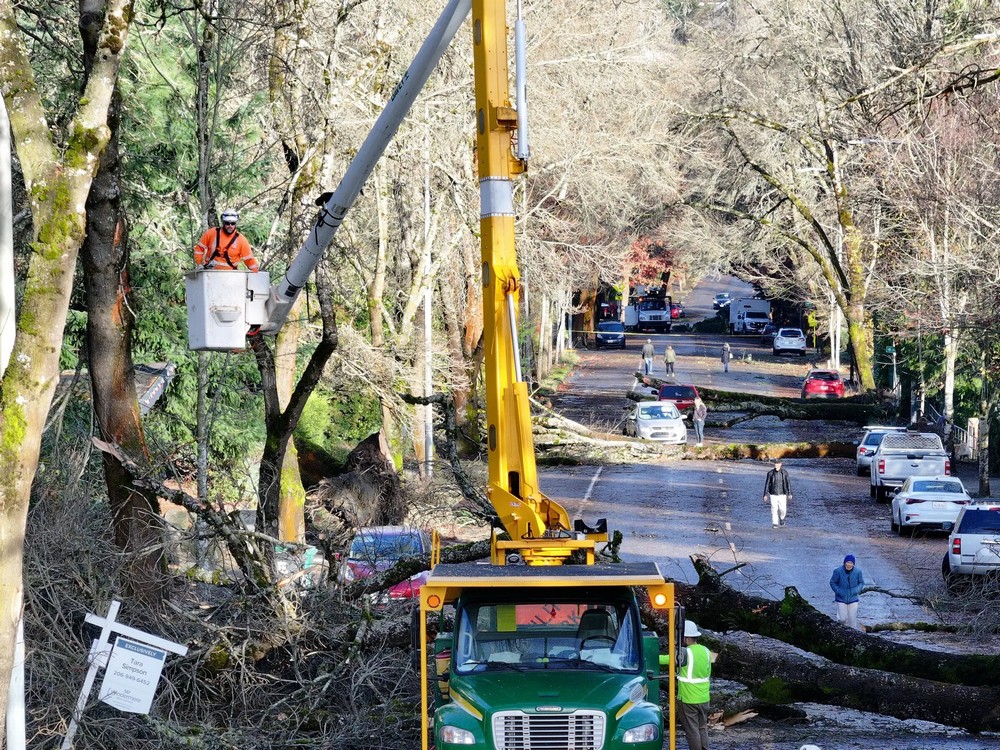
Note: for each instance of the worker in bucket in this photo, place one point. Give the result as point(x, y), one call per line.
point(223, 248)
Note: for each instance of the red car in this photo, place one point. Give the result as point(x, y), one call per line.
point(377, 548)
point(682, 396)
point(823, 384)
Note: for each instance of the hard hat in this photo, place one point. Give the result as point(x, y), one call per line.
point(691, 630)
point(230, 216)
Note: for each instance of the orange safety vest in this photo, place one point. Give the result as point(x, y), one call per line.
point(209, 254)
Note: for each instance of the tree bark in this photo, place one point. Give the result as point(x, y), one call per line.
point(138, 527)
point(58, 181)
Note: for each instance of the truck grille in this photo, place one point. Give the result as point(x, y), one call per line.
point(580, 730)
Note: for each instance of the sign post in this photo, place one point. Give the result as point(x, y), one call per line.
point(133, 668)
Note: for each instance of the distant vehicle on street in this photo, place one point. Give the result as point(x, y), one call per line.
point(681, 396)
point(656, 420)
point(610, 333)
point(928, 503)
point(676, 310)
point(823, 384)
point(721, 301)
point(767, 335)
point(789, 340)
point(869, 443)
point(377, 548)
point(749, 315)
point(974, 545)
point(906, 454)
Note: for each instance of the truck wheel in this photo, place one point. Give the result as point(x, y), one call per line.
point(880, 494)
point(952, 581)
point(871, 491)
point(861, 471)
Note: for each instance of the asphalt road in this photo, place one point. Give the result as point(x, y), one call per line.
point(673, 509)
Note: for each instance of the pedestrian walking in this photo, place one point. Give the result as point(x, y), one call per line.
point(693, 687)
point(669, 358)
point(648, 352)
point(700, 412)
point(777, 492)
point(847, 583)
point(727, 354)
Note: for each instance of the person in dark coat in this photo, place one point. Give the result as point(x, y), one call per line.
point(777, 492)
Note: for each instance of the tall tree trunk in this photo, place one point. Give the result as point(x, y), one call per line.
point(138, 527)
point(58, 180)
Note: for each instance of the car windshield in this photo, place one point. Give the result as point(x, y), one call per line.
point(559, 635)
point(659, 411)
point(387, 545)
point(824, 376)
point(927, 485)
point(874, 438)
point(676, 391)
point(653, 304)
point(616, 327)
point(790, 333)
point(980, 521)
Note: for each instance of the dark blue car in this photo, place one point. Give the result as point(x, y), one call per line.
point(610, 333)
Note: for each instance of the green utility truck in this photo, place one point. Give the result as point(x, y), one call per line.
point(545, 657)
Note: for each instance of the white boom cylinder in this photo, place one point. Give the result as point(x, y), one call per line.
point(331, 216)
point(521, 85)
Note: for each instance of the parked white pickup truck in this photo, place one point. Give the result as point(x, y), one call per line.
point(906, 454)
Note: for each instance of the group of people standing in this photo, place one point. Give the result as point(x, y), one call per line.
point(670, 357)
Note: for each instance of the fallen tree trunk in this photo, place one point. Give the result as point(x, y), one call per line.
point(794, 621)
point(777, 674)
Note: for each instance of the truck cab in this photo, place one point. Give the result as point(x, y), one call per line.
point(547, 656)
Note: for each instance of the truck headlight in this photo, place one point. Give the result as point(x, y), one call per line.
point(642, 733)
point(455, 736)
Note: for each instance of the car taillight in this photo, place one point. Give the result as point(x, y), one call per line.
point(956, 546)
point(881, 466)
point(947, 467)
point(914, 500)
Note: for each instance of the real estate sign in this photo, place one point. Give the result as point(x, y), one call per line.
point(131, 676)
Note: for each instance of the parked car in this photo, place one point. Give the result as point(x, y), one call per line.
point(610, 333)
point(676, 310)
point(823, 384)
point(767, 334)
point(901, 455)
point(656, 420)
point(721, 301)
point(789, 340)
point(377, 548)
point(974, 545)
point(929, 503)
point(681, 396)
point(869, 443)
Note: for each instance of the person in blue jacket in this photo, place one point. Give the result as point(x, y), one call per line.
point(847, 583)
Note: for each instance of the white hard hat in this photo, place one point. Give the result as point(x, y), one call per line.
point(810, 747)
point(649, 341)
point(691, 630)
point(230, 216)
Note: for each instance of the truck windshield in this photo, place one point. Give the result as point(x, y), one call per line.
point(653, 304)
point(547, 635)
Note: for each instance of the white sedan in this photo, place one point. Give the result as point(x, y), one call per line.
point(928, 502)
point(656, 420)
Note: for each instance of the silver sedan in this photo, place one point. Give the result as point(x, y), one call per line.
point(656, 420)
point(928, 502)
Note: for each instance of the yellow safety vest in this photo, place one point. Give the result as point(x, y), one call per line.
point(692, 678)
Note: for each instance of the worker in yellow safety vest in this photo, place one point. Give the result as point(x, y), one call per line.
point(693, 687)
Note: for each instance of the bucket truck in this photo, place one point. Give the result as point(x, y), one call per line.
point(542, 653)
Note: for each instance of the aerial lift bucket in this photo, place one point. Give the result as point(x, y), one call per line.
point(222, 305)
